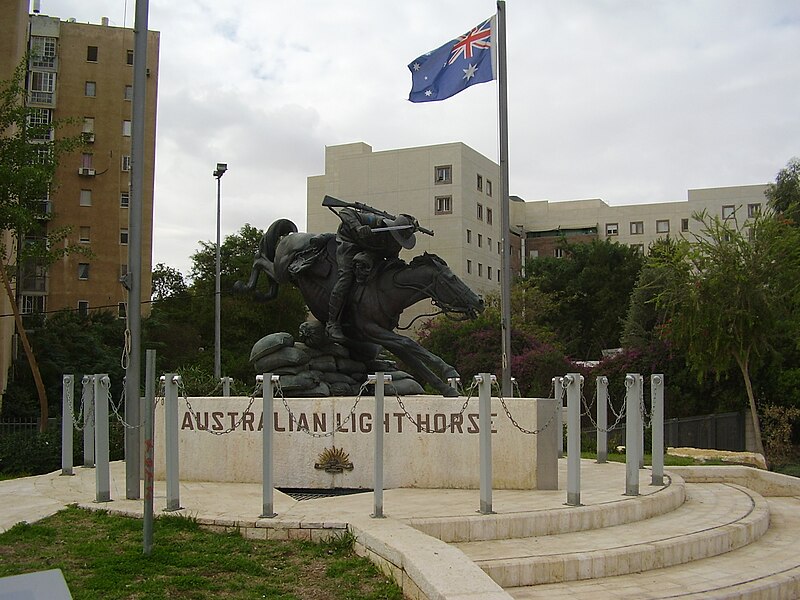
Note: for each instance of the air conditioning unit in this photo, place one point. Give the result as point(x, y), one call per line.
point(88, 136)
point(86, 172)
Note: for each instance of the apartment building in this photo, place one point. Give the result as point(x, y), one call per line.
point(451, 189)
point(84, 72)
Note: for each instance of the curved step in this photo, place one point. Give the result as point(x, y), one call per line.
point(556, 520)
point(716, 518)
point(767, 568)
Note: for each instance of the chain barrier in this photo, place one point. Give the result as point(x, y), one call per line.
point(516, 424)
point(647, 418)
point(617, 415)
point(425, 429)
point(77, 422)
point(305, 428)
point(183, 393)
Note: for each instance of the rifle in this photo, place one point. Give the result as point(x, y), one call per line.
point(331, 203)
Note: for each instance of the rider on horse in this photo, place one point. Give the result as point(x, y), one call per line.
point(363, 231)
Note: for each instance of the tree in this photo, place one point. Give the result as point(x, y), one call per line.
point(784, 194)
point(29, 156)
point(590, 288)
point(729, 292)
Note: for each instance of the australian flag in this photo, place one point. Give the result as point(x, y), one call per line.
point(455, 66)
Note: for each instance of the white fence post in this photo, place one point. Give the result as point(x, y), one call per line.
point(632, 435)
point(149, 447)
point(379, 379)
point(485, 425)
point(102, 474)
point(602, 419)
point(67, 406)
point(557, 394)
point(171, 445)
point(572, 385)
point(87, 393)
point(657, 427)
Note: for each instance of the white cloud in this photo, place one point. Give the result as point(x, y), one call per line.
point(627, 101)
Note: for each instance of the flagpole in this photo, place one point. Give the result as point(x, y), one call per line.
point(505, 220)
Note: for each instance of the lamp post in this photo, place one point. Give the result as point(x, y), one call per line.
point(221, 168)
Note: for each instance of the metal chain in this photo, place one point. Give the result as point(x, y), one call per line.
point(426, 429)
point(616, 422)
point(646, 422)
point(77, 422)
point(306, 429)
point(234, 425)
point(514, 422)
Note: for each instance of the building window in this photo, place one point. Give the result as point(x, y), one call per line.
point(84, 234)
point(83, 308)
point(638, 247)
point(91, 53)
point(499, 249)
point(90, 89)
point(42, 87)
point(489, 243)
point(479, 183)
point(479, 212)
point(480, 269)
point(488, 272)
point(498, 275)
point(83, 271)
point(122, 311)
point(488, 216)
point(684, 224)
point(86, 198)
point(488, 188)
point(469, 266)
point(753, 210)
point(129, 57)
point(443, 174)
point(123, 237)
point(558, 252)
point(612, 229)
point(124, 199)
point(128, 92)
point(39, 120)
point(86, 160)
point(126, 128)
point(123, 270)
point(32, 304)
point(728, 211)
point(480, 240)
point(126, 162)
point(43, 51)
point(443, 205)
point(662, 226)
point(469, 236)
point(637, 227)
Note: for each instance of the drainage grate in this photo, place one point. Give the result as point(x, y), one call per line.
point(313, 494)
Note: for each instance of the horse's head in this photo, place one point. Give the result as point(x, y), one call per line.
point(445, 288)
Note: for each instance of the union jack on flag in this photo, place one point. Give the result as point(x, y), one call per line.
point(454, 66)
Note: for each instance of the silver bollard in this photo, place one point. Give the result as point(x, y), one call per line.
point(67, 404)
point(267, 464)
point(148, 417)
point(641, 421)
point(632, 428)
point(379, 379)
point(171, 381)
point(602, 419)
point(657, 427)
point(102, 476)
point(572, 386)
point(87, 394)
point(226, 386)
point(485, 434)
point(454, 382)
point(557, 394)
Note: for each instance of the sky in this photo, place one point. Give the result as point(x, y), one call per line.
point(631, 101)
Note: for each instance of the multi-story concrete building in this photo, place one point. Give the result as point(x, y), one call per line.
point(451, 189)
point(84, 73)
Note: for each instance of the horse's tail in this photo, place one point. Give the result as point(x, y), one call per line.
point(264, 260)
point(269, 242)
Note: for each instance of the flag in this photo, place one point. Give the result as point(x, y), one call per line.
point(455, 66)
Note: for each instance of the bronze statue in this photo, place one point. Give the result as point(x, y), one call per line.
point(380, 287)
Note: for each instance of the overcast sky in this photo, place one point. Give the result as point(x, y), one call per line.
point(628, 101)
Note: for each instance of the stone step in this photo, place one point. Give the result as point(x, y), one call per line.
point(767, 568)
point(653, 501)
point(716, 518)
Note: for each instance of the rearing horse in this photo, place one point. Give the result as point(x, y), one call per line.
point(309, 262)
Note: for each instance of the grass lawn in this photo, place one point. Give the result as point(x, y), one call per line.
point(669, 460)
point(101, 557)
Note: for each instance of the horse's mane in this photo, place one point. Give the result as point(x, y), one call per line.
point(426, 259)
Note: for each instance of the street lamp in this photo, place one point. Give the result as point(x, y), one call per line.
point(221, 168)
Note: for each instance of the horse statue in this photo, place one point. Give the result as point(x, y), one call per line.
point(309, 262)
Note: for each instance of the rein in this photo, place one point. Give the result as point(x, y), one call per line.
point(430, 291)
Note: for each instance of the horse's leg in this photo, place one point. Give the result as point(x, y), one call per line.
point(414, 355)
point(259, 264)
